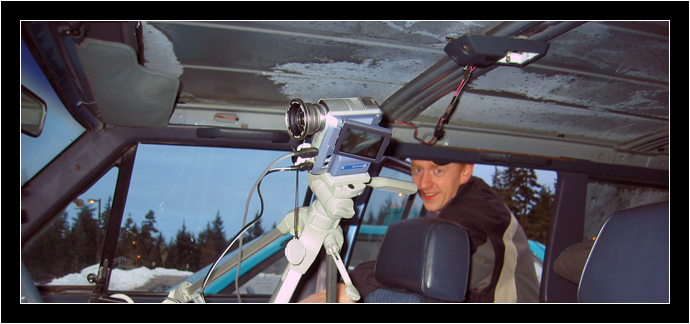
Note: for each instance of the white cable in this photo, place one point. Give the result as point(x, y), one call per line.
point(123, 297)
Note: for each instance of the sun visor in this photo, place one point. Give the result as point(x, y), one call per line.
point(127, 93)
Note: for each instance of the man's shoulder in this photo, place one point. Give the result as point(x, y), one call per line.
point(476, 192)
point(477, 200)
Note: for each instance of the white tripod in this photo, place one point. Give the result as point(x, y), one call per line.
point(321, 226)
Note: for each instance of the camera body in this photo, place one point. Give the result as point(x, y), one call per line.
point(345, 132)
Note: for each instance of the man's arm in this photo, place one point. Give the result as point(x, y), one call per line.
point(320, 297)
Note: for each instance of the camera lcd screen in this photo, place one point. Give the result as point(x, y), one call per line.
point(363, 142)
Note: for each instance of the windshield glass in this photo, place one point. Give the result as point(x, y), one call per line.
point(60, 128)
point(186, 204)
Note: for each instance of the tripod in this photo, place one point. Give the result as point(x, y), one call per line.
point(321, 227)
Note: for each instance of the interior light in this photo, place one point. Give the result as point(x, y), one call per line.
point(482, 51)
point(518, 58)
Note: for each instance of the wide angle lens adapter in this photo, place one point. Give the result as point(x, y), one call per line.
point(303, 119)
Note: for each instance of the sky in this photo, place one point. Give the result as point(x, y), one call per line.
point(37, 152)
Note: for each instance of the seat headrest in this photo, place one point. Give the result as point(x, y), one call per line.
point(428, 256)
point(629, 262)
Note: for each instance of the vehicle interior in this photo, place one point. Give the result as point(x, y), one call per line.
point(591, 104)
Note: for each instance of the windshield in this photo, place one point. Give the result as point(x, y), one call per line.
point(60, 128)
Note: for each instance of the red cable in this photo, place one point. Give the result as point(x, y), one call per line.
point(440, 122)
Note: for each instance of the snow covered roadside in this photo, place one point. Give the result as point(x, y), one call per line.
point(120, 279)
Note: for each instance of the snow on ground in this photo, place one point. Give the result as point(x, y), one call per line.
point(119, 279)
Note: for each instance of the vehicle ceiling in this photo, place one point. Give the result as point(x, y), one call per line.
point(601, 92)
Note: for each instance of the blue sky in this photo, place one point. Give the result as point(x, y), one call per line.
point(37, 152)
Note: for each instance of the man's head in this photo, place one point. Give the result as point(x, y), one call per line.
point(437, 184)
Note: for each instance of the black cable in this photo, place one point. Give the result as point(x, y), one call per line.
point(438, 131)
point(296, 210)
point(261, 212)
point(245, 227)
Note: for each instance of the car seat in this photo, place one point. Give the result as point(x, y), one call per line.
point(422, 260)
point(629, 262)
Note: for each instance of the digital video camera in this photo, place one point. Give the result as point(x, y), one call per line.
point(345, 132)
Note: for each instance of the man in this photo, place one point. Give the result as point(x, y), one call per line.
point(502, 266)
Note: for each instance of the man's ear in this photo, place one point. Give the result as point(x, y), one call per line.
point(466, 173)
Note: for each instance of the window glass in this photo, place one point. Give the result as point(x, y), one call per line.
point(186, 203)
point(386, 207)
point(603, 199)
point(60, 129)
point(66, 252)
point(267, 279)
point(529, 193)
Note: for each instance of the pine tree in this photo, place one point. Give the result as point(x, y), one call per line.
point(50, 245)
point(540, 216)
point(161, 254)
point(253, 232)
point(82, 237)
point(105, 217)
point(211, 241)
point(182, 252)
point(218, 234)
point(128, 245)
point(519, 189)
point(149, 251)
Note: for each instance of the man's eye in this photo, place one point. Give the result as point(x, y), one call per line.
point(416, 170)
point(438, 171)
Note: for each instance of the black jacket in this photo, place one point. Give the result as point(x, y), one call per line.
point(502, 264)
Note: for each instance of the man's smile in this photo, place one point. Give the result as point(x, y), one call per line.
point(429, 196)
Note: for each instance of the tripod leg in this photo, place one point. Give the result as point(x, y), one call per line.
point(287, 286)
point(333, 250)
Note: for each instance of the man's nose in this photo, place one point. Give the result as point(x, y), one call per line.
point(423, 182)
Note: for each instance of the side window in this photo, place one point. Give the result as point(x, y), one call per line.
point(528, 193)
point(266, 278)
point(384, 208)
point(603, 199)
point(186, 203)
point(70, 248)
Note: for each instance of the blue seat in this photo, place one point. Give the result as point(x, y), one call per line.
point(629, 262)
point(422, 260)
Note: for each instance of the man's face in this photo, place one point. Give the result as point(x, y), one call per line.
point(438, 184)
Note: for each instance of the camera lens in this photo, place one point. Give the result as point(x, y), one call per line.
point(302, 119)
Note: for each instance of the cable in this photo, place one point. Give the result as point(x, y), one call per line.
point(296, 213)
point(245, 227)
point(261, 212)
point(438, 131)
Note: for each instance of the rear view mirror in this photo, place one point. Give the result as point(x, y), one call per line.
point(33, 113)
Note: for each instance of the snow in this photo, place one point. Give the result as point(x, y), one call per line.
point(119, 279)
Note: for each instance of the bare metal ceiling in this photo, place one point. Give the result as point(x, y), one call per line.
point(601, 83)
